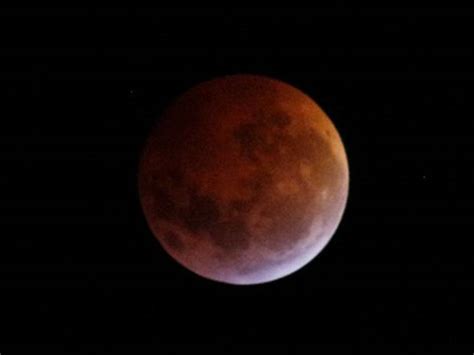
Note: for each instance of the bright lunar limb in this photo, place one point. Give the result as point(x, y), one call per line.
point(244, 180)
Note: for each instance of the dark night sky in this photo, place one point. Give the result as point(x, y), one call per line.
point(78, 265)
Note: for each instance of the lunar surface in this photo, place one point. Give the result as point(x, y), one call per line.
point(244, 180)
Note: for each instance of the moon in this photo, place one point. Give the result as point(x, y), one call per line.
point(244, 179)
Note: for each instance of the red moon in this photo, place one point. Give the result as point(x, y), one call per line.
point(244, 180)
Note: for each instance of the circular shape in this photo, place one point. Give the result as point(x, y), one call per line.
point(244, 180)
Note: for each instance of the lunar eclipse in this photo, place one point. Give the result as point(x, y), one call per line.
point(244, 179)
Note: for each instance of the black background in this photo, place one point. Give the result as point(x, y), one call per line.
point(80, 271)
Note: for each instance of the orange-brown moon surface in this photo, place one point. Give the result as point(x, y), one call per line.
point(244, 180)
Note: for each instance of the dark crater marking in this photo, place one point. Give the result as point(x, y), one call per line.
point(164, 205)
point(253, 138)
point(231, 236)
point(203, 216)
point(203, 213)
point(173, 241)
point(176, 176)
point(280, 119)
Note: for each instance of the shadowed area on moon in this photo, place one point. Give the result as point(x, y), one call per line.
point(246, 199)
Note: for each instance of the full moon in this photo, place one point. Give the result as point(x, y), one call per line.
point(244, 179)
